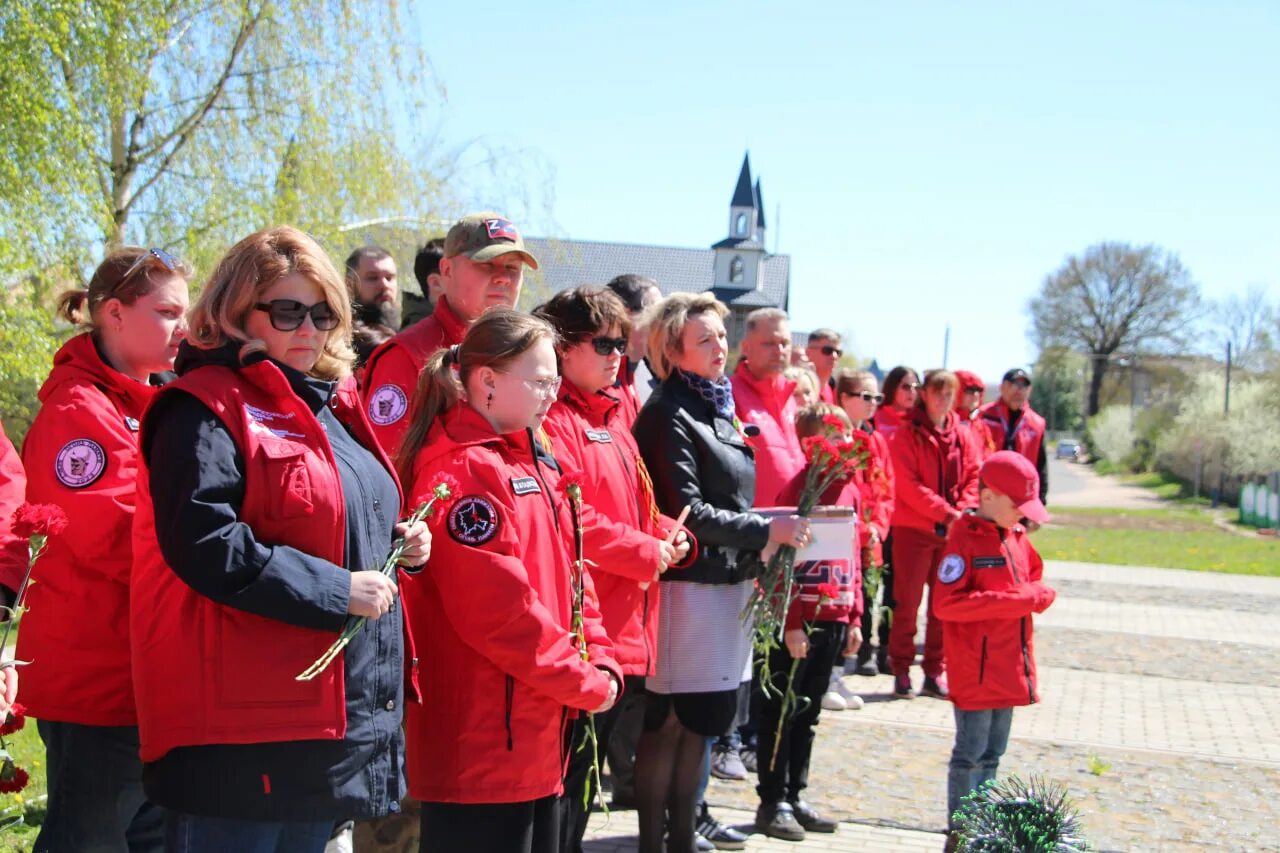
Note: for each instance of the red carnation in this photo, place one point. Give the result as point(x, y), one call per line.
point(572, 481)
point(834, 423)
point(38, 520)
point(12, 778)
point(828, 591)
point(15, 721)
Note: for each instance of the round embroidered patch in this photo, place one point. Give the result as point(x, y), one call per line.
point(473, 520)
point(951, 569)
point(80, 463)
point(387, 405)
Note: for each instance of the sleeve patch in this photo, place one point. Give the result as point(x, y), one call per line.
point(473, 520)
point(951, 569)
point(80, 463)
point(387, 405)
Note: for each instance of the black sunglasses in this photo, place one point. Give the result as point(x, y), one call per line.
point(1022, 383)
point(910, 386)
point(830, 350)
point(973, 389)
point(289, 314)
point(869, 397)
point(605, 345)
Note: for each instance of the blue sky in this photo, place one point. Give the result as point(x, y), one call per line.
point(931, 162)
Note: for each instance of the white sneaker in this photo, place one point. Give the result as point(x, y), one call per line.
point(833, 701)
point(852, 701)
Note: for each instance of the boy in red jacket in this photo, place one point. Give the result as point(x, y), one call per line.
point(828, 598)
point(988, 587)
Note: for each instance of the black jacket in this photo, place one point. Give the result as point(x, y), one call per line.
point(197, 480)
point(699, 459)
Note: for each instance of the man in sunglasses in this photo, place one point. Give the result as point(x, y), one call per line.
point(1013, 425)
point(483, 266)
point(968, 401)
point(824, 353)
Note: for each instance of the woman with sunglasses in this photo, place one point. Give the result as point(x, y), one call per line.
point(82, 454)
point(627, 543)
point(503, 668)
point(857, 393)
point(901, 391)
point(265, 509)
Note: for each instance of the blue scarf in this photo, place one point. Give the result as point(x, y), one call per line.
point(717, 393)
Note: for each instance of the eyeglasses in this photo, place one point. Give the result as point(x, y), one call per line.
point(1022, 383)
point(910, 386)
point(547, 389)
point(160, 256)
point(830, 350)
point(605, 345)
point(289, 314)
point(869, 397)
point(973, 389)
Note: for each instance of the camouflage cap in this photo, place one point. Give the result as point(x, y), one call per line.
point(485, 236)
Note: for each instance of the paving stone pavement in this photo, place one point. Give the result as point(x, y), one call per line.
point(1162, 721)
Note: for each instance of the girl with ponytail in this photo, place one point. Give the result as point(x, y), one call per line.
point(492, 614)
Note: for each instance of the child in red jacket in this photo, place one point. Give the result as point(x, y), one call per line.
point(988, 587)
point(834, 620)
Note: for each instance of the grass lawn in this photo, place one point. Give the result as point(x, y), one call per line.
point(1180, 537)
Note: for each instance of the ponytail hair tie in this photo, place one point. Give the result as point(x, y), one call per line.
point(454, 354)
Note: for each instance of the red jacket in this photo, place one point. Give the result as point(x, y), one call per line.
point(876, 490)
point(1028, 435)
point(988, 587)
point(492, 611)
point(589, 436)
point(809, 574)
point(82, 454)
point(13, 491)
point(770, 407)
point(935, 472)
point(977, 428)
point(207, 673)
point(888, 419)
point(391, 374)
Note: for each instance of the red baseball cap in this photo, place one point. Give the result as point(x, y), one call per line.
point(1012, 474)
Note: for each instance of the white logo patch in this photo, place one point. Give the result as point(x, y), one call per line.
point(951, 569)
point(388, 405)
point(80, 463)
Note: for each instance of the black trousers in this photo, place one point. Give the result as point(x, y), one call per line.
point(96, 801)
point(625, 736)
point(789, 774)
point(529, 827)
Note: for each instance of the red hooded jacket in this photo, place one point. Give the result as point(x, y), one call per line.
point(1028, 435)
point(935, 472)
point(589, 437)
point(82, 454)
point(988, 587)
point(492, 610)
point(876, 492)
point(768, 405)
point(190, 653)
point(848, 604)
point(888, 419)
point(13, 491)
point(391, 374)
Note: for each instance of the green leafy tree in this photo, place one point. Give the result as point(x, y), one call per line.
point(1114, 298)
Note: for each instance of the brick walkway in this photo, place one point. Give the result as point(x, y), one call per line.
point(1163, 744)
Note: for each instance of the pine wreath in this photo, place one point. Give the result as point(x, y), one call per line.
point(1012, 816)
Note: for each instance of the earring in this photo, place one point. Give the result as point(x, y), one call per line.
point(488, 404)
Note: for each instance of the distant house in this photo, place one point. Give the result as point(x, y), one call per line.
point(738, 269)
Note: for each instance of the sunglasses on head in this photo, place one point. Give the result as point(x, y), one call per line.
point(827, 349)
point(156, 256)
point(604, 345)
point(289, 314)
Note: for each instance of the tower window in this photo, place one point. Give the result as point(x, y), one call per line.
point(736, 269)
point(740, 224)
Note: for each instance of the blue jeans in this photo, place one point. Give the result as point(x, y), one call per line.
point(981, 738)
point(96, 802)
point(185, 833)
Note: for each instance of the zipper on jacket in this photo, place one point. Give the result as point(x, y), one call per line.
point(982, 661)
point(510, 701)
point(1022, 624)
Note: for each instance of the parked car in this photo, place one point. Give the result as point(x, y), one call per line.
point(1069, 450)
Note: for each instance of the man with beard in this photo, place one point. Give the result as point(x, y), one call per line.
point(375, 297)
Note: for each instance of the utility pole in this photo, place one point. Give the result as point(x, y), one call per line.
point(946, 345)
point(1226, 410)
